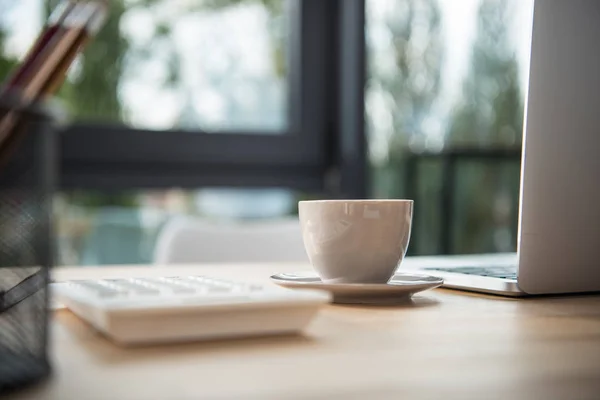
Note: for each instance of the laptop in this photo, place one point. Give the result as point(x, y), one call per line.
point(559, 218)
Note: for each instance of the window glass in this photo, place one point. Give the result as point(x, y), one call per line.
point(446, 75)
point(160, 64)
point(99, 228)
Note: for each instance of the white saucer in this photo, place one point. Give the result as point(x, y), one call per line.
point(398, 289)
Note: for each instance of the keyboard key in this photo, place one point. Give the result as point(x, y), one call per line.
point(171, 286)
point(215, 299)
point(255, 288)
point(218, 289)
point(133, 286)
point(502, 272)
point(213, 288)
point(97, 288)
point(214, 285)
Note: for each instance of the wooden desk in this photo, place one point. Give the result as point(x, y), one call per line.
point(445, 345)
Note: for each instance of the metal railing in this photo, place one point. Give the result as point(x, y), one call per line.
point(450, 160)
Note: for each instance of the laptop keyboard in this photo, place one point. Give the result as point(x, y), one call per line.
point(503, 272)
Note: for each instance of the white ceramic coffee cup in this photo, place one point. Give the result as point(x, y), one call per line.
point(356, 241)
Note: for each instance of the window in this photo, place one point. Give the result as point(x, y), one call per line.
point(186, 65)
point(189, 99)
point(214, 66)
point(124, 156)
point(96, 228)
point(163, 77)
point(283, 99)
point(445, 99)
point(192, 65)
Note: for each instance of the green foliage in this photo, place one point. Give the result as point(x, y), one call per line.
point(413, 85)
point(275, 8)
point(7, 64)
point(91, 92)
point(92, 89)
point(490, 115)
point(95, 200)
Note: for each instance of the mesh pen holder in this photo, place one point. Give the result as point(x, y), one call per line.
point(26, 187)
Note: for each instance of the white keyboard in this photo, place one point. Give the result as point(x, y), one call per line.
point(179, 308)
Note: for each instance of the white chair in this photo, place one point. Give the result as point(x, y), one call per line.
point(191, 240)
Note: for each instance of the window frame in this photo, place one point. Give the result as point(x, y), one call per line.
point(322, 149)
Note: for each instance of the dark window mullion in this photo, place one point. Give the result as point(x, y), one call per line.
point(351, 67)
point(312, 72)
point(90, 150)
point(96, 144)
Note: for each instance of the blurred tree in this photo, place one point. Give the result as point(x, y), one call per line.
point(7, 62)
point(163, 30)
point(491, 112)
point(411, 86)
point(489, 116)
point(407, 88)
point(415, 83)
point(276, 11)
point(91, 91)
